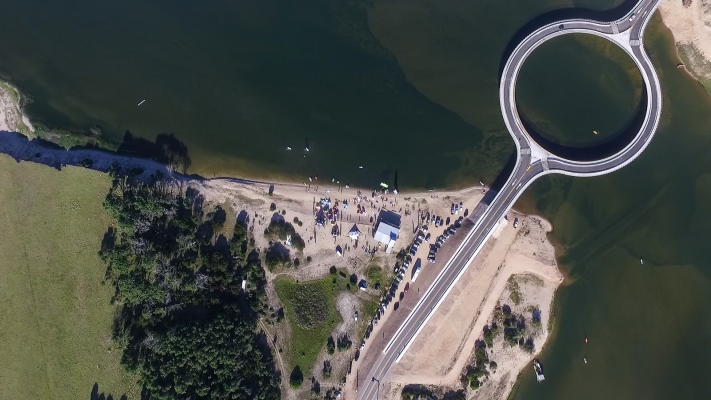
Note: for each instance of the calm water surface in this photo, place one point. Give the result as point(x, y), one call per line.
point(238, 82)
point(579, 90)
point(412, 86)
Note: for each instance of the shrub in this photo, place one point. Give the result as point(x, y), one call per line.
point(310, 305)
point(296, 220)
point(489, 334)
point(296, 263)
point(327, 369)
point(315, 389)
point(344, 343)
point(283, 212)
point(272, 207)
point(330, 345)
point(332, 270)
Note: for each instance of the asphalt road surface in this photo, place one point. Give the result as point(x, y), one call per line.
point(532, 162)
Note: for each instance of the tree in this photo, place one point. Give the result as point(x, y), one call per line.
point(330, 345)
point(296, 378)
point(327, 369)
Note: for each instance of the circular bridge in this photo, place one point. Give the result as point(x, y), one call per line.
point(540, 156)
point(534, 159)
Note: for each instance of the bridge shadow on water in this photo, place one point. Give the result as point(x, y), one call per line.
point(562, 14)
point(597, 152)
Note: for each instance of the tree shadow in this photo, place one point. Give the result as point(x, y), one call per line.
point(243, 218)
point(167, 149)
point(278, 218)
point(95, 395)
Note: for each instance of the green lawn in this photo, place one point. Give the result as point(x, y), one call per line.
point(55, 315)
point(310, 304)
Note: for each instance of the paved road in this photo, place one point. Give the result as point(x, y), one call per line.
point(532, 162)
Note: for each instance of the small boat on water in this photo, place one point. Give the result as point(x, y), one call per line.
point(595, 132)
point(585, 359)
point(539, 371)
point(288, 148)
point(142, 101)
point(641, 261)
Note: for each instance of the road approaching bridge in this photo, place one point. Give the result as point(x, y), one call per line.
point(532, 161)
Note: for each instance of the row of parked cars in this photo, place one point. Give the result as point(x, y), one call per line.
point(450, 231)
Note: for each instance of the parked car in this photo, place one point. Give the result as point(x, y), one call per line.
point(515, 225)
point(428, 237)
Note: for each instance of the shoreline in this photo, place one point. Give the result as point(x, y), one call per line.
point(19, 140)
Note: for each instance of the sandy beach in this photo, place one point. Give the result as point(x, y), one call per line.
point(690, 23)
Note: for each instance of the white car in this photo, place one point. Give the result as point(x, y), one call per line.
point(633, 16)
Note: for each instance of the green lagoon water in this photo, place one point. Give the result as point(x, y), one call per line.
point(577, 97)
point(412, 86)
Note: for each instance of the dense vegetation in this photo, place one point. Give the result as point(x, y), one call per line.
point(279, 229)
point(515, 329)
point(313, 304)
point(185, 324)
point(477, 371)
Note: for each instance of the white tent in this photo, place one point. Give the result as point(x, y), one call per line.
point(354, 233)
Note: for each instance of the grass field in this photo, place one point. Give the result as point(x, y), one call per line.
point(310, 304)
point(55, 315)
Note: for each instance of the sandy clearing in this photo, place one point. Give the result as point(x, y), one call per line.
point(691, 27)
point(689, 24)
point(443, 349)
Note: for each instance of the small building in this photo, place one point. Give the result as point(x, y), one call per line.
point(387, 229)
